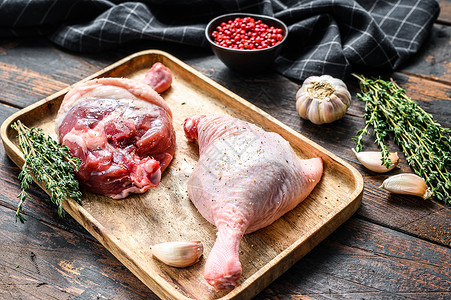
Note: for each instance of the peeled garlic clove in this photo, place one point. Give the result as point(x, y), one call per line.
point(178, 254)
point(407, 184)
point(372, 160)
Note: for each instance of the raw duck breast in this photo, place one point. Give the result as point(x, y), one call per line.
point(245, 179)
point(122, 131)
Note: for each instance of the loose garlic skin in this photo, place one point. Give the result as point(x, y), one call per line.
point(178, 254)
point(407, 184)
point(372, 160)
point(322, 99)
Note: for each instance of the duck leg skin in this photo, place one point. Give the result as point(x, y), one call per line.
point(245, 179)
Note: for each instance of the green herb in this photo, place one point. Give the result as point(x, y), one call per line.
point(48, 162)
point(425, 143)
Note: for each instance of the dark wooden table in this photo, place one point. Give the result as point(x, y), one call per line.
point(394, 247)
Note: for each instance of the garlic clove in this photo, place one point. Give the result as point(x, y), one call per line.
point(372, 160)
point(313, 112)
point(178, 254)
point(303, 104)
point(407, 184)
point(327, 112)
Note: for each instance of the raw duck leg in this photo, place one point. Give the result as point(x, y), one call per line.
point(246, 179)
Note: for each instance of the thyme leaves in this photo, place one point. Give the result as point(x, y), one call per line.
point(424, 142)
point(50, 163)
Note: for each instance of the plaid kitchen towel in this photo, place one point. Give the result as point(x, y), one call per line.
point(325, 36)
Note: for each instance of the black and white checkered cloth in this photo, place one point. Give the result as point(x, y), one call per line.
point(325, 36)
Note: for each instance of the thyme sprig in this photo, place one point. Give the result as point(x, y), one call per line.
point(48, 162)
point(424, 142)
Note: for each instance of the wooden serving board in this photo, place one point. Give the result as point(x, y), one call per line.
point(128, 228)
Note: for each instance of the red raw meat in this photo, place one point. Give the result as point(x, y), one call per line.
point(122, 131)
point(159, 77)
point(245, 179)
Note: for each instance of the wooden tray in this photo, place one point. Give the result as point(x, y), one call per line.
point(127, 228)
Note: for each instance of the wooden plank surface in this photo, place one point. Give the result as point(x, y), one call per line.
point(128, 228)
point(359, 260)
point(433, 62)
point(445, 13)
point(46, 262)
point(393, 265)
point(336, 137)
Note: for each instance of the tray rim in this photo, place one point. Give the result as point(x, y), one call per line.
point(159, 286)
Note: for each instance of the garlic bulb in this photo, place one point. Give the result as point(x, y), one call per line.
point(178, 254)
point(372, 160)
point(322, 99)
point(407, 184)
